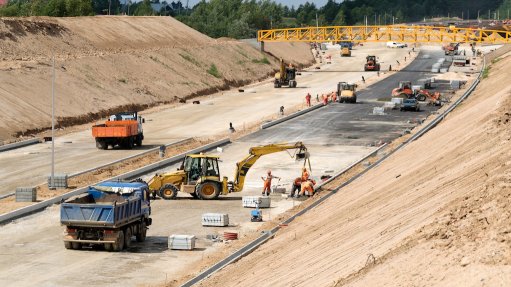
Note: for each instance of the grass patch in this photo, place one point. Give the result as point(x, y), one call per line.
point(495, 60)
point(486, 72)
point(384, 99)
point(190, 59)
point(213, 71)
point(261, 61)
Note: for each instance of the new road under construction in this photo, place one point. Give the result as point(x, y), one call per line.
point(302, 167)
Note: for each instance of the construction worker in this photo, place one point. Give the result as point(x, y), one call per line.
point(267, 183)
point(334, 97)
point(307, 186)
point(308, 99)
point(305, 174)
point(297, 185)
point(325, 99)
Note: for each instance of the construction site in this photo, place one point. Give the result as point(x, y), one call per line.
point(137, 151)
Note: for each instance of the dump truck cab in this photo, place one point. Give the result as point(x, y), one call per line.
point(346, 92)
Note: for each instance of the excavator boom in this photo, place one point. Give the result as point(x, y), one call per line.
point(255, 153)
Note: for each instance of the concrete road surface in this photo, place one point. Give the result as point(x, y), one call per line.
point(75, 152)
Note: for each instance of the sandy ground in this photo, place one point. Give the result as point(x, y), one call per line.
point(104, 63)
point(76, 151)
point(434, 214)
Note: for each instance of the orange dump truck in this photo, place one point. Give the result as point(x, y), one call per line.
point(124, 130)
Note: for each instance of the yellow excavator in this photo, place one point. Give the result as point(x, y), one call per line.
point(199, 174)
point(286, 76)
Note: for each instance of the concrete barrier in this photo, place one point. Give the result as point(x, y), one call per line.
point(126, 158)
point(291, 116)
point(19, 144)
point(7, 217)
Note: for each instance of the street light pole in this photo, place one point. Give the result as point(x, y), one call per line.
point(52, 179)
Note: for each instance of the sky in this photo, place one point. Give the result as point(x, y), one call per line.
point(296, 3)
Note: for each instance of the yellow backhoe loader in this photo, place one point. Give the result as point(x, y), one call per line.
point(286, 76)
point(199, 174)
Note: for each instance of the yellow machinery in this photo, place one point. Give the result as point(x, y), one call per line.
point(286, 76)
point(345, 52)
point(401, 33)
point(199, 174)
point(346, 92)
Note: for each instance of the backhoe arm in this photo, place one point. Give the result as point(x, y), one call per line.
point(255, 153)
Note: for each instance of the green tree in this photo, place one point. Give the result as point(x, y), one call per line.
point(144, 9)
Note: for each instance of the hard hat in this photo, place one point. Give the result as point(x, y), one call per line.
point(304, 169)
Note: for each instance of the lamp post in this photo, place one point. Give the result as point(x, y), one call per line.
point(52, 178)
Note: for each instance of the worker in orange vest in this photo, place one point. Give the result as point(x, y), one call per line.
point(334, 97)
point(267, 183)
point(308, 99)
point(305, 174)
point(325, 99)
point(297, 185)
point(307, 186)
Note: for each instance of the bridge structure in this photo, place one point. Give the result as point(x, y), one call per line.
point(398, 33)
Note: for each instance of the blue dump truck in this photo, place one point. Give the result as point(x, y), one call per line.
point(110, 214)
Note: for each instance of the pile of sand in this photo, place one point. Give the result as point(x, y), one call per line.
point(435, 213)
point(110, 64)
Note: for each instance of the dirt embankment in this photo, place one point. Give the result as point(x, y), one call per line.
point(435, 213)
point(106, 64)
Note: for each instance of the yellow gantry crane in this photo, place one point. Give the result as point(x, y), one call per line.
point(401, 33)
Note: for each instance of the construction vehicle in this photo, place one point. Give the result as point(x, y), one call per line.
point(200, 177)
point(404, 90)
point(110, 214)
point(286, 76)
point(410, 105)
point(345, 52)
point(123, 129)
point(346, 93)
point(348, 45)
point(451, 49)
point(371, 64)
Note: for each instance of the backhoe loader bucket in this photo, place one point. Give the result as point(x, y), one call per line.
point(302, 155)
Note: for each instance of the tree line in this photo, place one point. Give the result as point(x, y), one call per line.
point(242, 18)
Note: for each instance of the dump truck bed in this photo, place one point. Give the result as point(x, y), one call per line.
point(115, 129)
point(113, 211)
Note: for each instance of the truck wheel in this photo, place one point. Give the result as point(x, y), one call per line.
point(76, 245)
point(130, 143)
point(119, 242)
point(108, 246)
point(168, 191)
point(101, 144)
point(195, 195)
point(138, 142)
point(208, 190)
point(142, 232)
point(127, 238)
point(68, 245)
point(421, 97)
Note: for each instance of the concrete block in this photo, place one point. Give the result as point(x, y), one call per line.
point(59, 181)
point(251, 201)
point(26, 194)
point(215, 219)
point(181, 242)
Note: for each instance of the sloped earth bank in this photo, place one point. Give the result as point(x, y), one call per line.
point(109, 64)
point(435, 213)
